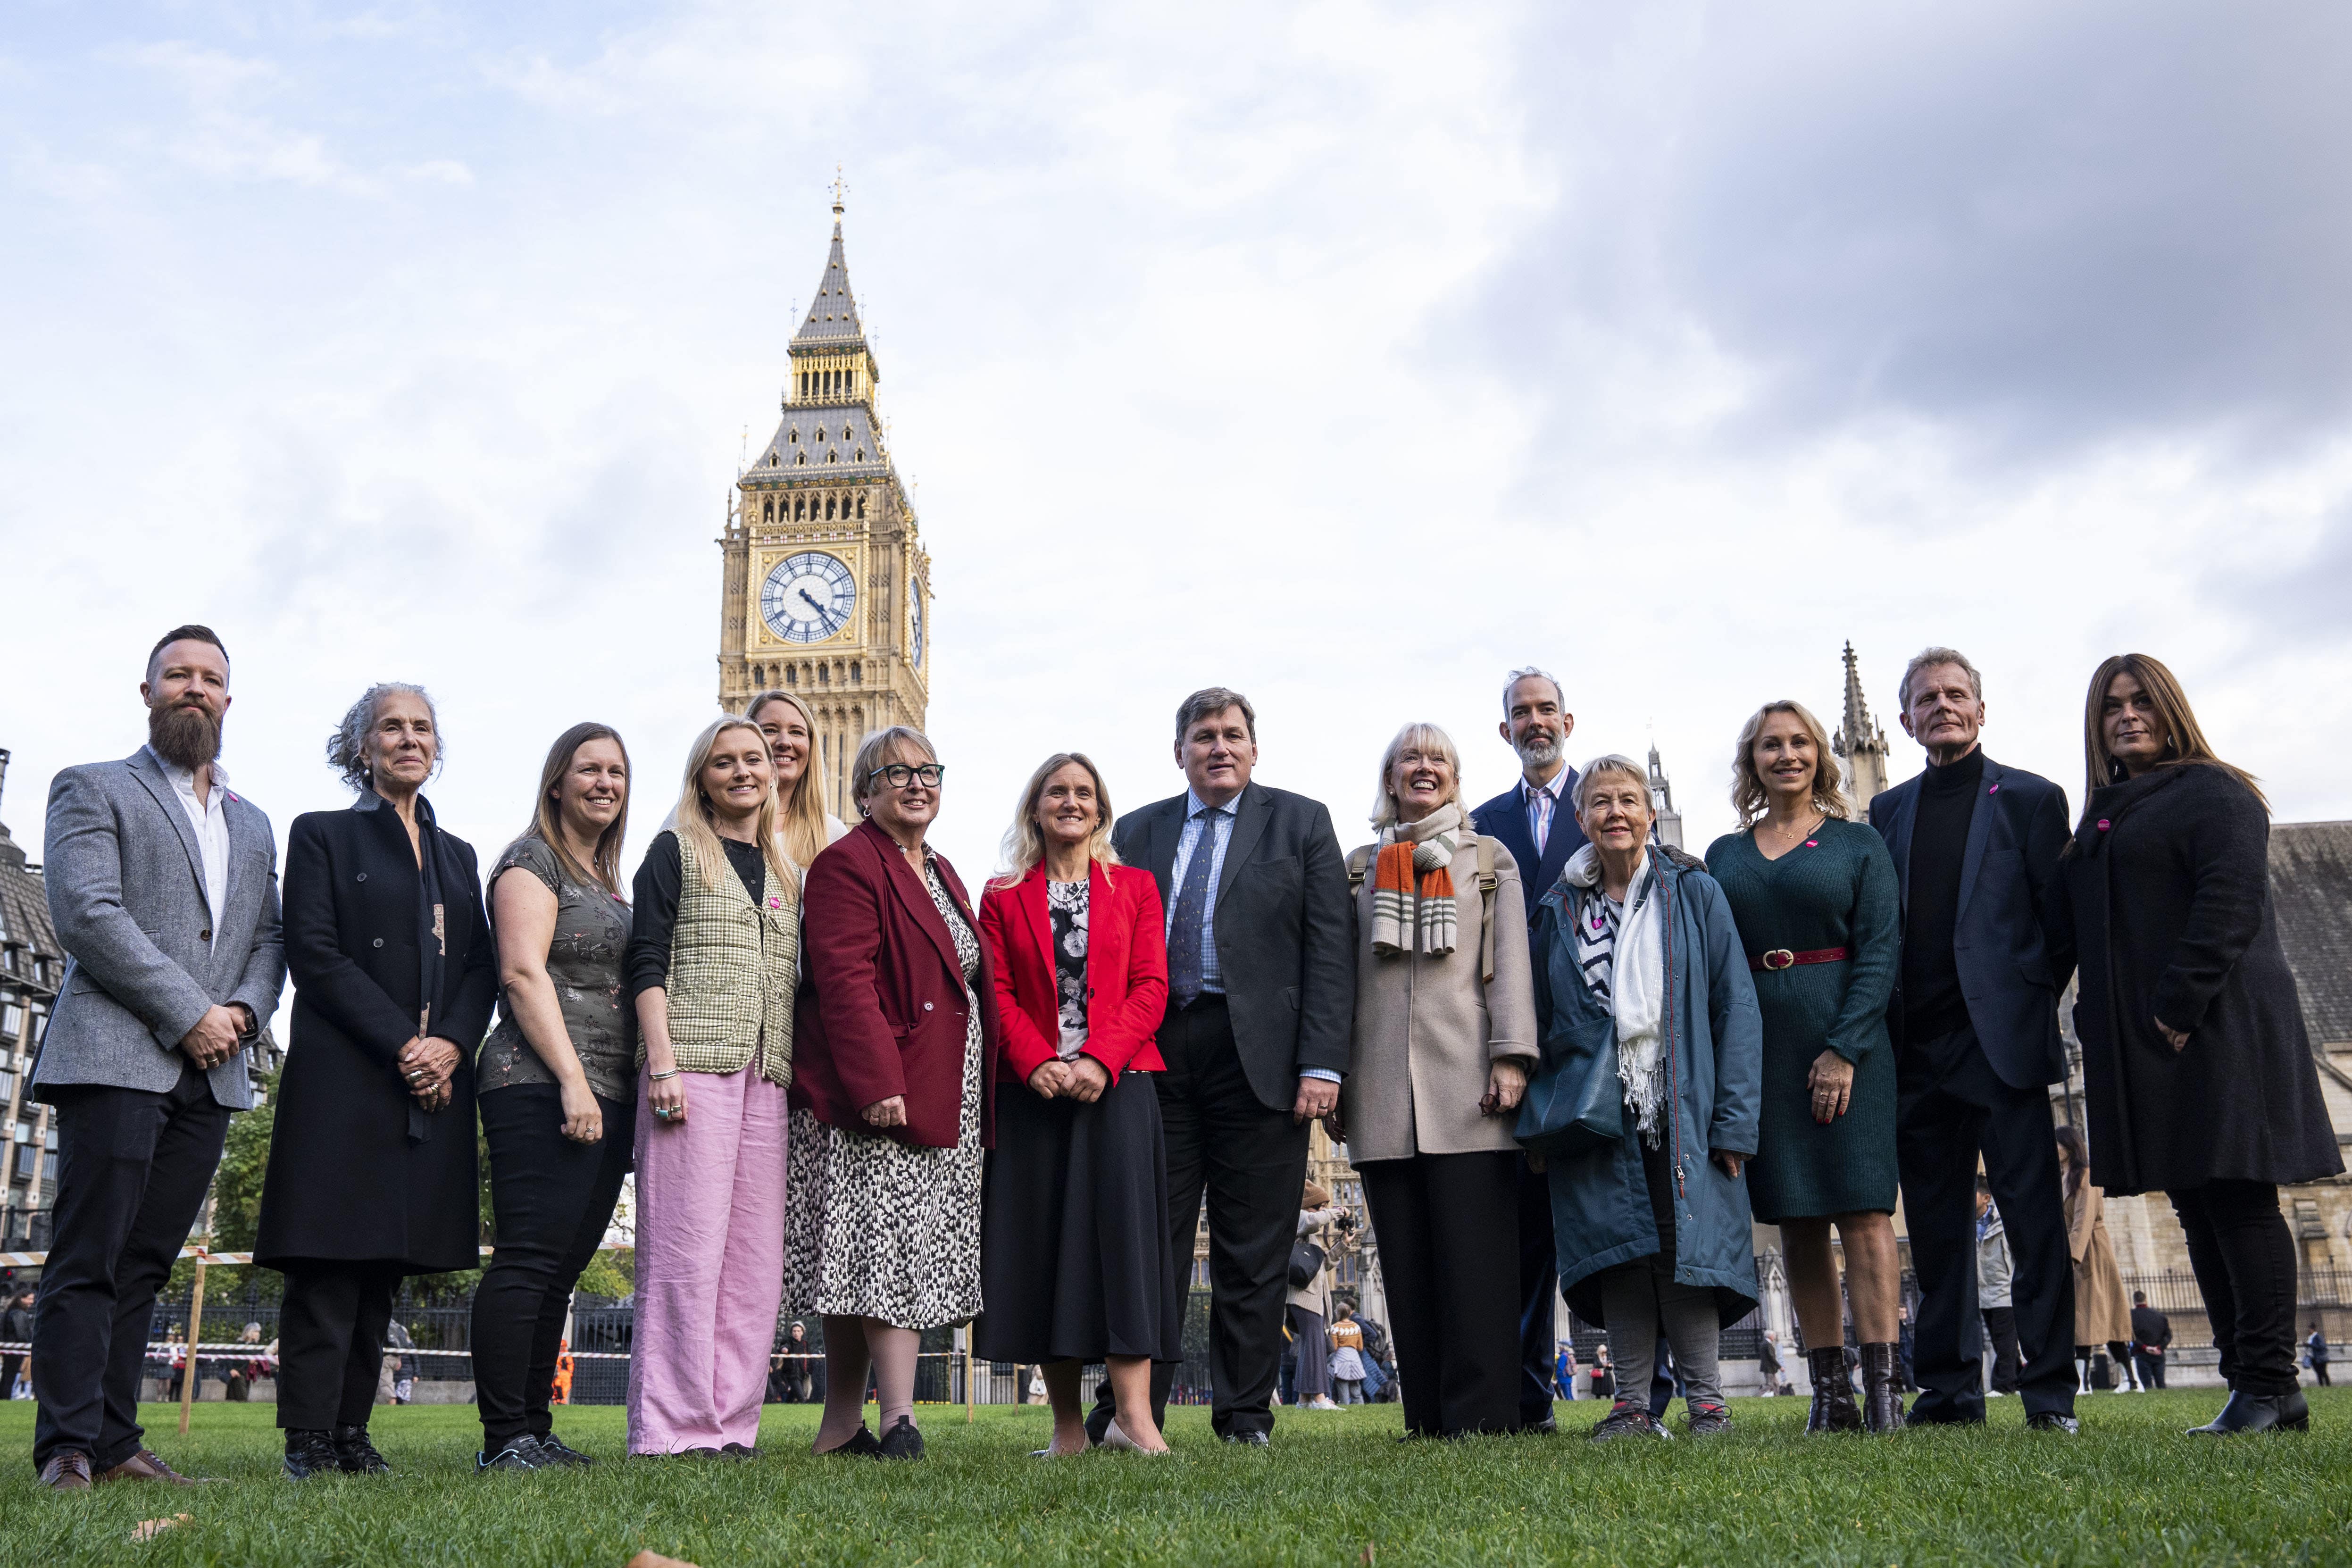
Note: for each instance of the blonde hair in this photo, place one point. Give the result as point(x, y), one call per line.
point(1429, 738)
point(1024, 845)
point(694, 817)
point(1749, 796)
point(800, 820)
point(1612, 765)
point(2184, 739)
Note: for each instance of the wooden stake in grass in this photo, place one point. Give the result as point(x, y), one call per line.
point(195, 1321)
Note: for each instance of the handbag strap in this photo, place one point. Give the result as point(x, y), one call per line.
point(1360, 862)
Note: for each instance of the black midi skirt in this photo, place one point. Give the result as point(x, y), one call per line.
point(1074, 1259)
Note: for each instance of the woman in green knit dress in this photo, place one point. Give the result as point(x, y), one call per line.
point(1815, 898)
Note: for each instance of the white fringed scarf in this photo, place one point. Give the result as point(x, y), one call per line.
point(1632, 980)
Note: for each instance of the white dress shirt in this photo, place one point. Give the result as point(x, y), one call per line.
point(210, 818)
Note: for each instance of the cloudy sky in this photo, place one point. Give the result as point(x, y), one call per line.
point(1346, 353)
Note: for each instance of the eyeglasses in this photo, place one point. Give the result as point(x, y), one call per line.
point(899, 776)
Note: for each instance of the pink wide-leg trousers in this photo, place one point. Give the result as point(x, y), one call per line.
point(710, 1263)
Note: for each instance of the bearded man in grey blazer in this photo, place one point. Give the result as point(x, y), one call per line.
point(163, 888)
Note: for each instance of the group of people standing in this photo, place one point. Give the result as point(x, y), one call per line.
point(1563, 1057)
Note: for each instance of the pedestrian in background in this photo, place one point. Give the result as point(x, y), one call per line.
point(1995, 1293)
point(2102, 1321)
point(1445, 1042)
point(1075, 1266)
point(556, 1083)
point(1642, 963)
point(2315, 1354)
point(2196, 1068)
point(372, 1175)
point(162, 886)
point(1348, 1356)
point(2151, 1338)
point(1816, 899)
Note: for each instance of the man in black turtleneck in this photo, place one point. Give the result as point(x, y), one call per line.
point(1975, 1013)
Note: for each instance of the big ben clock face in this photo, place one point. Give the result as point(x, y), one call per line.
point(914, 622)
point(808, 597)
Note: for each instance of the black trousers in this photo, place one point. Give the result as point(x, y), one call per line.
point(2244, 1256)
point(1950, 1106)
point(1250, 1163)
point(331, 1341)
point(1538, 1295)
point(1447, 1224)
point(550, 1201)
point(133, 1167)
point(2001, 1328)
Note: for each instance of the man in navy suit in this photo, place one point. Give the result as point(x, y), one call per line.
point(1975, 1016)
point(1535, 819)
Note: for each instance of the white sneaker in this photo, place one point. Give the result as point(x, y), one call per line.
point(1321, 1402)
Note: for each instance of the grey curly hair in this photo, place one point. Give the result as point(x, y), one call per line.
point(347, 747)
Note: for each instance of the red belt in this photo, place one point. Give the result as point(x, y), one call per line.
point(1781, 958)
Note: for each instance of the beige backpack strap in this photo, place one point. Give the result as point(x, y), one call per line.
point(1488, 882)
point(1359, 861)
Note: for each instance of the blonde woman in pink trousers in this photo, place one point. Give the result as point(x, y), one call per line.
point(713, 956)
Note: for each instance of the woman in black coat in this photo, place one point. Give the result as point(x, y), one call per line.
point(371, 1174)
point(2200, 1076)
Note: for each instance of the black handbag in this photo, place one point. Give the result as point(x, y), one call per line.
point(1577, 1102)
point(1306, 1263)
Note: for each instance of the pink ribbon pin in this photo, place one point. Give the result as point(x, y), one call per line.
point(1993, 790)
point(2103, 824)
point(1812, 844)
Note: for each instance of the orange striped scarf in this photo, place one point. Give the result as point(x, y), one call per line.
point(1413, 885)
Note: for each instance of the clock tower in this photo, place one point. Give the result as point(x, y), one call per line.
point(825, 590)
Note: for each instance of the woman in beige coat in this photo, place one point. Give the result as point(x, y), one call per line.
point(2102, 1311)
point(1444, 1040)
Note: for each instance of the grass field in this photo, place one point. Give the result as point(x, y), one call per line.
point(1336, 1488)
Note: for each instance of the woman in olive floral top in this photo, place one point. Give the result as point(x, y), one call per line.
point(557, 1085)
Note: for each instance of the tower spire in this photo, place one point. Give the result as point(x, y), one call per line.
point(1860, 744)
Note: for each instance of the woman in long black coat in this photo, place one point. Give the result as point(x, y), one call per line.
point(372, 1173)
point(2199, 1072)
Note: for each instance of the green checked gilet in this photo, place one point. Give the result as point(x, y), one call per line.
point(733, 967)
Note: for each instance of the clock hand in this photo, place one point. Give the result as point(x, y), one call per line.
point(812, 602)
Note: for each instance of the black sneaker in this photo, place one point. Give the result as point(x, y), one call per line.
point(901, 1442)
point(310, 1453)
point(558, 1452)
point(1625, 1420)
point(356, 1454)
point(737, 1451)
point(1703, 1420)
point(522, 1454)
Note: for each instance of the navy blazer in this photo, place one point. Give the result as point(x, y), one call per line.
point(1286, 930)
point(1505, 819)
point(2014, 954)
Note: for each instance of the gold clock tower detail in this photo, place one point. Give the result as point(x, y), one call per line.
point(827, 591)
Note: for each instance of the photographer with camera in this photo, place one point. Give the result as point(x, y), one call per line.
point(1309, 1311)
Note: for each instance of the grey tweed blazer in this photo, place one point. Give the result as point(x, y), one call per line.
point(149, 956)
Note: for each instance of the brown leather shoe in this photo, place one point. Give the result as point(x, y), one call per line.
point(67, 1470)
point(146, 1465)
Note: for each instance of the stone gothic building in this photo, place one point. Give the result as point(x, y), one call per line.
point(825, 587)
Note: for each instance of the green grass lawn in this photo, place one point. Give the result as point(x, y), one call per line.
point(1336, 1488)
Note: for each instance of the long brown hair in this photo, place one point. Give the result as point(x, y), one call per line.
point(1748, 794)
point(547, 820)
point(802, 818)
point(2184, 741)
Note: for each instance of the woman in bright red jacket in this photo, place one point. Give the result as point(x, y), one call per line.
point(1074, 1259)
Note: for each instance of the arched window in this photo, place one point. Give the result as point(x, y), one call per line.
point(828, 509)
point(856, 672)
point(802, 459)
point(861, 508)
point(825, 675)
point(792, 676)
point(768, 510)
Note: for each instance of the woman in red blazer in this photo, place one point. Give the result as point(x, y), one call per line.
point(1074, 1259)
point(893, 1039)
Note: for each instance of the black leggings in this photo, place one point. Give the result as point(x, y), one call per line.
point(2244, 1256)
point(550, 1200)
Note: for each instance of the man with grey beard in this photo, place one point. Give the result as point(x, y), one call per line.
point(163, 888)
point(1535, 819)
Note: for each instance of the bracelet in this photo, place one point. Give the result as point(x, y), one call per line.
point(659, 1077)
